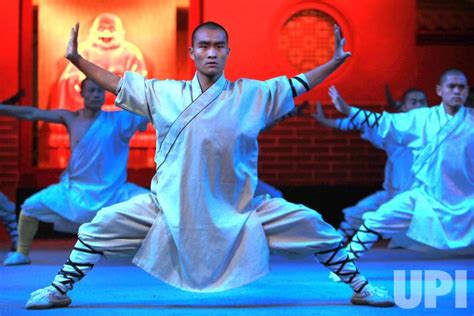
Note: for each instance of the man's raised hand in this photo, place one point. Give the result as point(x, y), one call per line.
point(338, 101)
point(71, 52)
point(339, 54)
point(319, 114)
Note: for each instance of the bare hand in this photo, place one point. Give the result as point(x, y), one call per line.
point(339, 54)
point(390, 100)
point(71, 52)
point(338, 101)
point(319, 114)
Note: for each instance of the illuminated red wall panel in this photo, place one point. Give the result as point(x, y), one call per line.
point(149, 25)
point(9, 54)
point(379, 34)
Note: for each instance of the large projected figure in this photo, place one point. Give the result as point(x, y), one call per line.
point(106, 46)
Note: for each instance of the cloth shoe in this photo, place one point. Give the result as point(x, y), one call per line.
point(16, 258)
point(9, 254)
point(373, 296)
point(47, 297)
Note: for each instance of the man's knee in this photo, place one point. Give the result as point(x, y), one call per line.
point(380, 224)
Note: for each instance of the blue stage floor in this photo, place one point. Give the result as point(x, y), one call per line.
point(294, 287)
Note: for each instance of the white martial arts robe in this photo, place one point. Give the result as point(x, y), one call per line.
point(96, 175)
point(397, 179)
point(207, 235)
point(438, 209)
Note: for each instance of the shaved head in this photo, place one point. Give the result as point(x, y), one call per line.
point(212, 26)
point(450, 72)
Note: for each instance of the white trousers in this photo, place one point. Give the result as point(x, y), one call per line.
point(119, 230)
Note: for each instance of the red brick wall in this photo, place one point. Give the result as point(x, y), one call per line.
point(8, 161)
point(8, 154)
point(299, 151)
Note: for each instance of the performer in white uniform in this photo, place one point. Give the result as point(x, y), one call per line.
point(437, 211)
point(97, 172)
point(201, 229)
point(397, 167)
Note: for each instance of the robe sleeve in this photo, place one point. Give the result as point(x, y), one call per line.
point(282, 91)
point(132, 94)
point(130, 123)
point(384, 129)
point(147, 98)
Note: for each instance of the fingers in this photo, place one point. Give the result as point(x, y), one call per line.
point(333, 93)
point(319, 109)
point(74, 32)
point(339, 54)
point(337, 36)
point(71, 50)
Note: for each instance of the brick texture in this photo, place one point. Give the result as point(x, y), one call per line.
point(9, 159)
point(8, 154)
point(300, 152)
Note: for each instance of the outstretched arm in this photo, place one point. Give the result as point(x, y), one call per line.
point(106, 79)
point(34, 114)
point(318, 74)
point(343, 124)
point(384, 128)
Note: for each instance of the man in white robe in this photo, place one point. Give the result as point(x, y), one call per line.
point(397, 171)
point(201, 229)
point(96, 175)
point(437, 212)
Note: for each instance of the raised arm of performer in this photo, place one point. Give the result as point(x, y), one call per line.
point(400, 128)
point(318, 74)
point(34, 114)
point(343, 124)
point(105, 79)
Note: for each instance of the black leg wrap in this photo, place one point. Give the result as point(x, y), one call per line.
point(359, 245)
point(338, 265)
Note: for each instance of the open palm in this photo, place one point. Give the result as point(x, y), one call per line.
point(339, 54)
point(71, 52)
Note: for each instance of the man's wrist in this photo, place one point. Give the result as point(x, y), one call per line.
point(338, 61)
point(74, 58)
point(351, 110)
